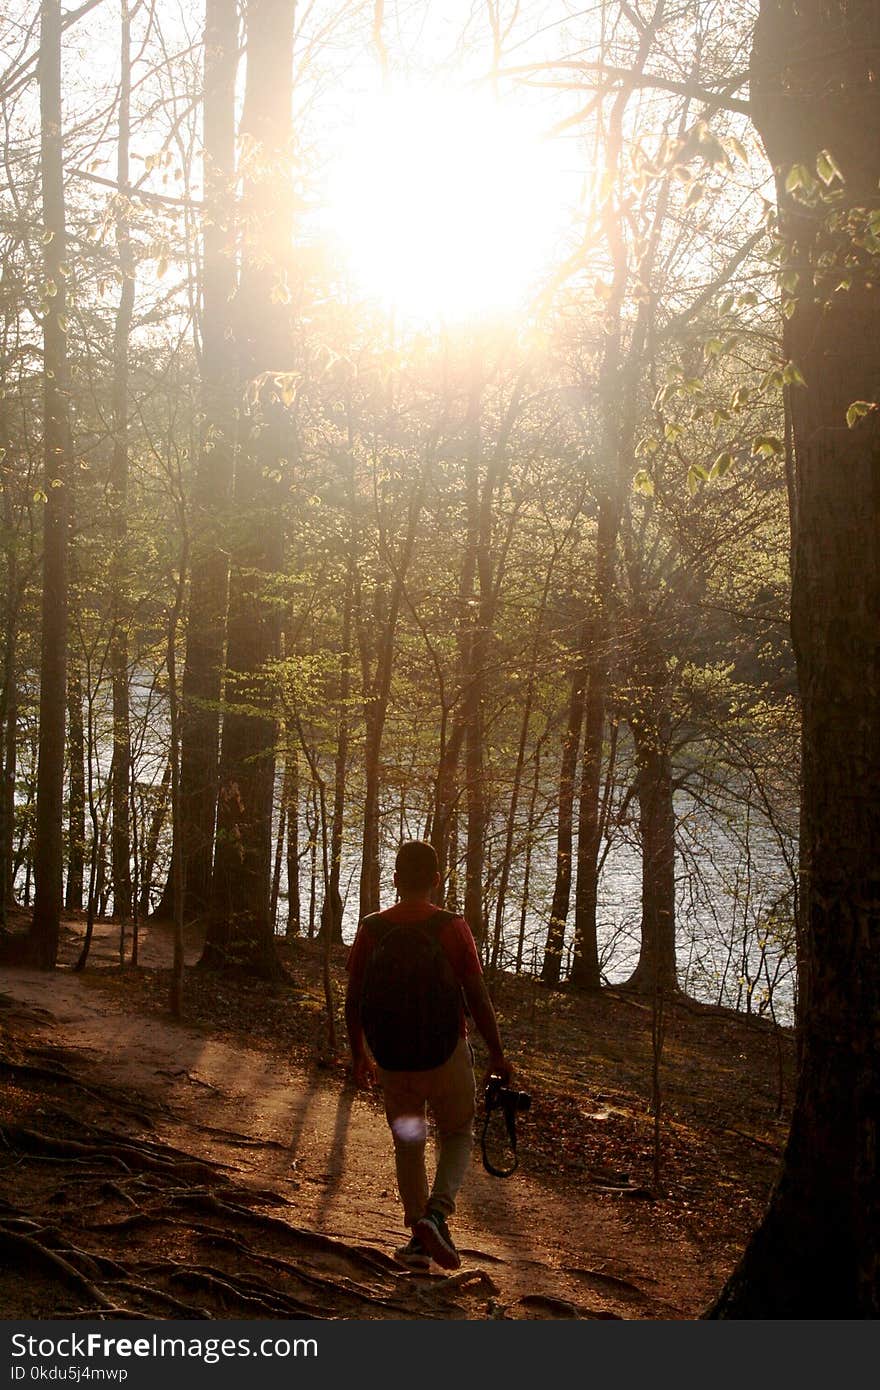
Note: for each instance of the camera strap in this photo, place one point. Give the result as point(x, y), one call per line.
point(510, 1123)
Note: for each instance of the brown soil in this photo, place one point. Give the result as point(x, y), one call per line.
point(225, 1166)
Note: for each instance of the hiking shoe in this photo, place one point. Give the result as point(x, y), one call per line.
point(413, 1255)
point(432, 1233)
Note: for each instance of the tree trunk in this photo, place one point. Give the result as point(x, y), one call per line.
point(565, 817)
point(279, 854)
point(619, 379)
point(476, 590)
point(49, 854)
point(446, 800)
point(294, 909)
point(585, 967)
point(377, 691)
point(120, 843)
point(656, 964)
point(240, 932)
point(507, 856)
point(151, 849)
point(76, 794)
point(201, 687)
point(527, 871)
point(8, 711)
point(817, 1252)
point(342, 739)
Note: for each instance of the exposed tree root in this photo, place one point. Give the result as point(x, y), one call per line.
point(31, 1074)
point(373, 1260)
point(343, 1288)
point(252, 1294)
point(27, 1247)
point(131, 1155)
point(148, 1291)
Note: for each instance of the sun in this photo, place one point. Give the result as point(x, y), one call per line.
point(446, 206)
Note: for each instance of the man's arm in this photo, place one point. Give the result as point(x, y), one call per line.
point(483, 1014)
point(363, 1066)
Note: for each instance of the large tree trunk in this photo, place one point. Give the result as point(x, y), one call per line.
point(209, 577)
point(817, 1252)
point(240, 932)
point(120, 842)
point(8, 708)
point(655, 969)
point(49, 854)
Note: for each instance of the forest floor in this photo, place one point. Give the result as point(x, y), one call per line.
point(225, 1165)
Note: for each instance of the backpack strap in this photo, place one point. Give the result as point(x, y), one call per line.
point(438, 921)
point(435, 925)
point(378, 925)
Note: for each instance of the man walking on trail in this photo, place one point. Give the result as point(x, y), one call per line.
point(409, 969)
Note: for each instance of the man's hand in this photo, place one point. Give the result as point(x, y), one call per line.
point(364, 1071)
point(498, 1066)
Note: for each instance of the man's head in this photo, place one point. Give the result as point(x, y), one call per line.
point(416, 872)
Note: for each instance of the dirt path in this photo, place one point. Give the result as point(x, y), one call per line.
point(324, 1148)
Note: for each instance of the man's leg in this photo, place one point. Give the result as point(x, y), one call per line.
point(405, 1113)
point(452, 1102)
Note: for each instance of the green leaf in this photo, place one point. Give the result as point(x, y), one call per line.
point(643, 483)
point(799, 176)
point(738, 148)
point(722, 464)
point(827, 167)
point(694, 478)
point(766, 445)
point(858, 410)
point(792, 375)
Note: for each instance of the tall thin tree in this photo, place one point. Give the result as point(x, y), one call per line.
point(48, 853)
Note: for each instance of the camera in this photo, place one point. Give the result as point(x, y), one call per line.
point(511, 1102)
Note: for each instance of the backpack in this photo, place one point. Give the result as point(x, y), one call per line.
point(410, 1004)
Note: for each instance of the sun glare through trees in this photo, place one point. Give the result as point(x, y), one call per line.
point(448, 206)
